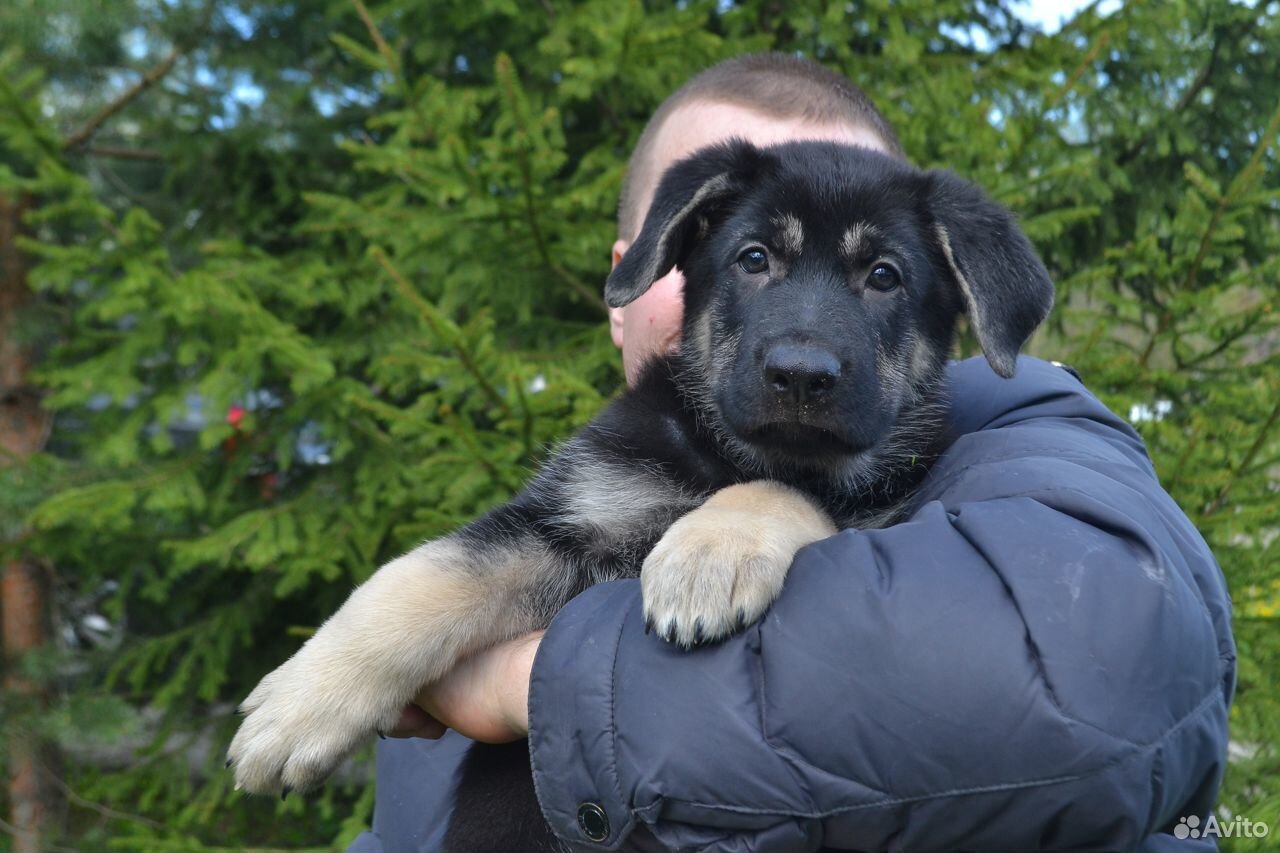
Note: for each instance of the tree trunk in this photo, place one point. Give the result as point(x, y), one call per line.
point(33, 799)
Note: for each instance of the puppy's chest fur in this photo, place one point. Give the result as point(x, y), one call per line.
point(614, 490)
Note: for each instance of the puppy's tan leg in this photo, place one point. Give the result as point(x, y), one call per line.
point(724, 563)
point(405, 627)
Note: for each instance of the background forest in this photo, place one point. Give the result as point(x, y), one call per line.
point(287, 287)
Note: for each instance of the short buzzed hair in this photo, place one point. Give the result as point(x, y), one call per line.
point(778, 85)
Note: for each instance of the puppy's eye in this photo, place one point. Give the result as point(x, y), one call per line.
point(884, 277)
point(754, 261)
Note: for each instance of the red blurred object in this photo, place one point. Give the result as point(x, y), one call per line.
point(235, 415)
point(268, 485)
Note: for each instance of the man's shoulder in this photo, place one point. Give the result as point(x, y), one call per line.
point(1047, 400)
point(1040, 430)
point(979, 398)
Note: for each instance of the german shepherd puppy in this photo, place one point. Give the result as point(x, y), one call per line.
point(822, 286)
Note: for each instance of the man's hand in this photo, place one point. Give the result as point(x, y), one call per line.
point(486, 697)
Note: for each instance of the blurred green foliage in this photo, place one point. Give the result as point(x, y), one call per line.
point(331, 286)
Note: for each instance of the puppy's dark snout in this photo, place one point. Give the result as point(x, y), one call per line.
point(800, 373)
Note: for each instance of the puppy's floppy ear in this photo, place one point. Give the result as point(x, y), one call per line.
point(1006, 290)
point(707, 178)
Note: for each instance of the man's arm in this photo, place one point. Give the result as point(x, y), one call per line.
point(1040, 658)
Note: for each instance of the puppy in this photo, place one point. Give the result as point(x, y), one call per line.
point(822, 288)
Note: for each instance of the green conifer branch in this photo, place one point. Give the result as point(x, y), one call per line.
point(394, 65)
point(1239, 184)
point(1263, 433)
point(430, 317)
point(149, 79)
point(1242, 181)
point(506, 72)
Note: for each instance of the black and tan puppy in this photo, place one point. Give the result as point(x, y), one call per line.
point(822, 288)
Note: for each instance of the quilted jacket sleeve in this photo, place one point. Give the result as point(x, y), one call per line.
point(1040, 658)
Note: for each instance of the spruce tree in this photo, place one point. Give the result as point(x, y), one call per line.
point(300, 328)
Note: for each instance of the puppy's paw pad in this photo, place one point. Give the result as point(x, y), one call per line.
point(720, 567)
point(701, 583)
point(300, 723)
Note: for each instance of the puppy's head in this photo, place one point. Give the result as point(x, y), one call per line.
point(822, 284)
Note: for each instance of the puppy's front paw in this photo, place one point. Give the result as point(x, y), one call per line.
point(305, 718)
point(402, 629)
point(722, 565)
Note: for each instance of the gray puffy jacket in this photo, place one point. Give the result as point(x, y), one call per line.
point(1039, 659)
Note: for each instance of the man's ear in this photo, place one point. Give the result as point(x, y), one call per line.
point(685, 195)
point(1006, 290)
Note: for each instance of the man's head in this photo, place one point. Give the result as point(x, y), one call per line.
point(822, 285)
point(764, 99)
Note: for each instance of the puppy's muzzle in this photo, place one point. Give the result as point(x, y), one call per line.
point(799, 375)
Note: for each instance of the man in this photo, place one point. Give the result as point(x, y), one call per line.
point(1040, 658)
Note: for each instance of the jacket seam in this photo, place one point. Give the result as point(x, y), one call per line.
point(533, 768)
point(1130, 750)
point(1035, 653)
point(1028, 640)
point(938, 485)
point(611, 765)
point(789, 756)
point(612, 761)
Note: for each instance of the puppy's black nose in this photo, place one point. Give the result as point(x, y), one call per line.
point(800, 373)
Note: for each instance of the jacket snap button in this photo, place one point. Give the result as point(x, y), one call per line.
point(593, 822)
